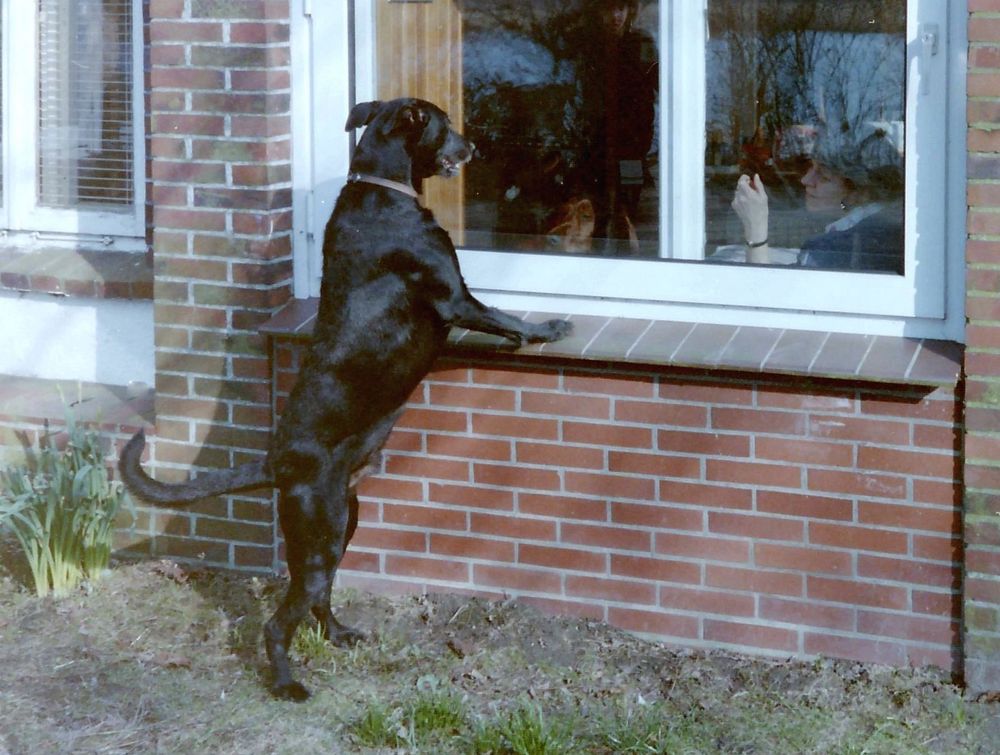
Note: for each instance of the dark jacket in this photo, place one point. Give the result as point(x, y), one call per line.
point(873, 244)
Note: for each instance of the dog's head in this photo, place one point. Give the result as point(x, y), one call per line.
point(434, 147)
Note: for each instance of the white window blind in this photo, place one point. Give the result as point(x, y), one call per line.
point(85, 108)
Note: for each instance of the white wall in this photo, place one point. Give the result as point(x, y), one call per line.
point(94, 340)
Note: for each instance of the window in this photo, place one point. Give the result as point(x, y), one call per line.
point(613, 133)
point(73, 153)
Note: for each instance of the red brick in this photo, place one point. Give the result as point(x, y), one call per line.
point(514, 378)
point(856, 593)
point(634, 387)
point(616, 435)
point(983, 561)
point(751, 635)
point(423, 516)
point(472, 496)
point(751, 473)
point(358, 561)
point(560, 455)
point(907, 462)
point(800, 612)
point(708, 548)
point(810, 506)
point(705, 393)
point(840, 427)
point(948, 549)
point(654, 464)
point(476, 548)
point(937, 407)
point(566, 559)
point(759, 421)
point(518, 477)
point(493, 399)
point(909, 517)
point(754, 580)
point(709, 496)
point(562, 507)
point(614, 590)
point(706, 601)
point(940, 493)
point(565, 406)
point(801, 451)
point(423, 467)
point(802, 559)
point(511, 578)
point(657, 517)
point(913, 628)
point(856, 483)
point(937, 603)
point(887, 652)
point(469, 447)
point(384, 539)
point(388, 488)
point(663, 415)
point(611, 486)
point(816, 400)
point(652, 622)
point(616, 538)
point(514, 426)
point(434, 419)
point(657, 569)
point(519, 528)
point(427, 568)
point(704, 443)
point(857, 538)
point(909, 571)
point(756, 526)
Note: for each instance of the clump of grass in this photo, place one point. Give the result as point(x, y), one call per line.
point(431, 717)
point(527, 730)
point(62, 507)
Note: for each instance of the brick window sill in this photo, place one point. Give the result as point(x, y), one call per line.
point(90, 274)
point(604, 340)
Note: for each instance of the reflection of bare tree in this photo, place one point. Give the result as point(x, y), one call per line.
point(781, 63)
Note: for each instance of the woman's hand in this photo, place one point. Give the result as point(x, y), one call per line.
point(750, 204)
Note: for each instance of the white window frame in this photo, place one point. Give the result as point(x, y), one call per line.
point(927, 302)
point(20, 214)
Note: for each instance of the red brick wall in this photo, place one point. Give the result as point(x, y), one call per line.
point(220, 151)
point(766, 515)
point(982, 442)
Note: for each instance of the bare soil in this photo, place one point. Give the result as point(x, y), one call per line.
point(156, 659)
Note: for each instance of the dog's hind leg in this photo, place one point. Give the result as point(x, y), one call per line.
point(314, 520)
point(333, 630)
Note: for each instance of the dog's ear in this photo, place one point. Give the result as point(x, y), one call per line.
point(410, 118)
point(362, 114)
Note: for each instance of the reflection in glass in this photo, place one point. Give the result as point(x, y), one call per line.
point(560, 99)
point(804, 134)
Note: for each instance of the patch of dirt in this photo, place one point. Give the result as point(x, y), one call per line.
point(154, 658)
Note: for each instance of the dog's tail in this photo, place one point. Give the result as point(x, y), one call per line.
point(254, 474)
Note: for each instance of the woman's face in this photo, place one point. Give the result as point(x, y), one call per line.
point(825, 189)
point(615, 18)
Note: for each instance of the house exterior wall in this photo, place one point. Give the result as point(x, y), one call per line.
point(982, 365)
point(758, 512)
point(220, 174)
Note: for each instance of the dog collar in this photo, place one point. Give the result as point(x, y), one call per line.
point(384, 182)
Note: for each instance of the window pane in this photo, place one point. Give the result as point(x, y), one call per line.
point(810, 98)
point(560, 98)
point(85, 103)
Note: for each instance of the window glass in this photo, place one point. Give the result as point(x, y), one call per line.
point(85, 103)
point(803, 130)
point(808, 99)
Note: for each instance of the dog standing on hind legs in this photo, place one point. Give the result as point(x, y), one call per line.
point(391, 290)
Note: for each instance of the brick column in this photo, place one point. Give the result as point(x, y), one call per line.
point(221, 192)
point(982, 440)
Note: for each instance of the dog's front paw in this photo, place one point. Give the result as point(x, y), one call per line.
point(550, 330)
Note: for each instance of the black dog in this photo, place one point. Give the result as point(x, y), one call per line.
point(391, 290)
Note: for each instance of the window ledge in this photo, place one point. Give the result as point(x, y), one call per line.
point(820, 355)
point(36, 400)
point(103, 274)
